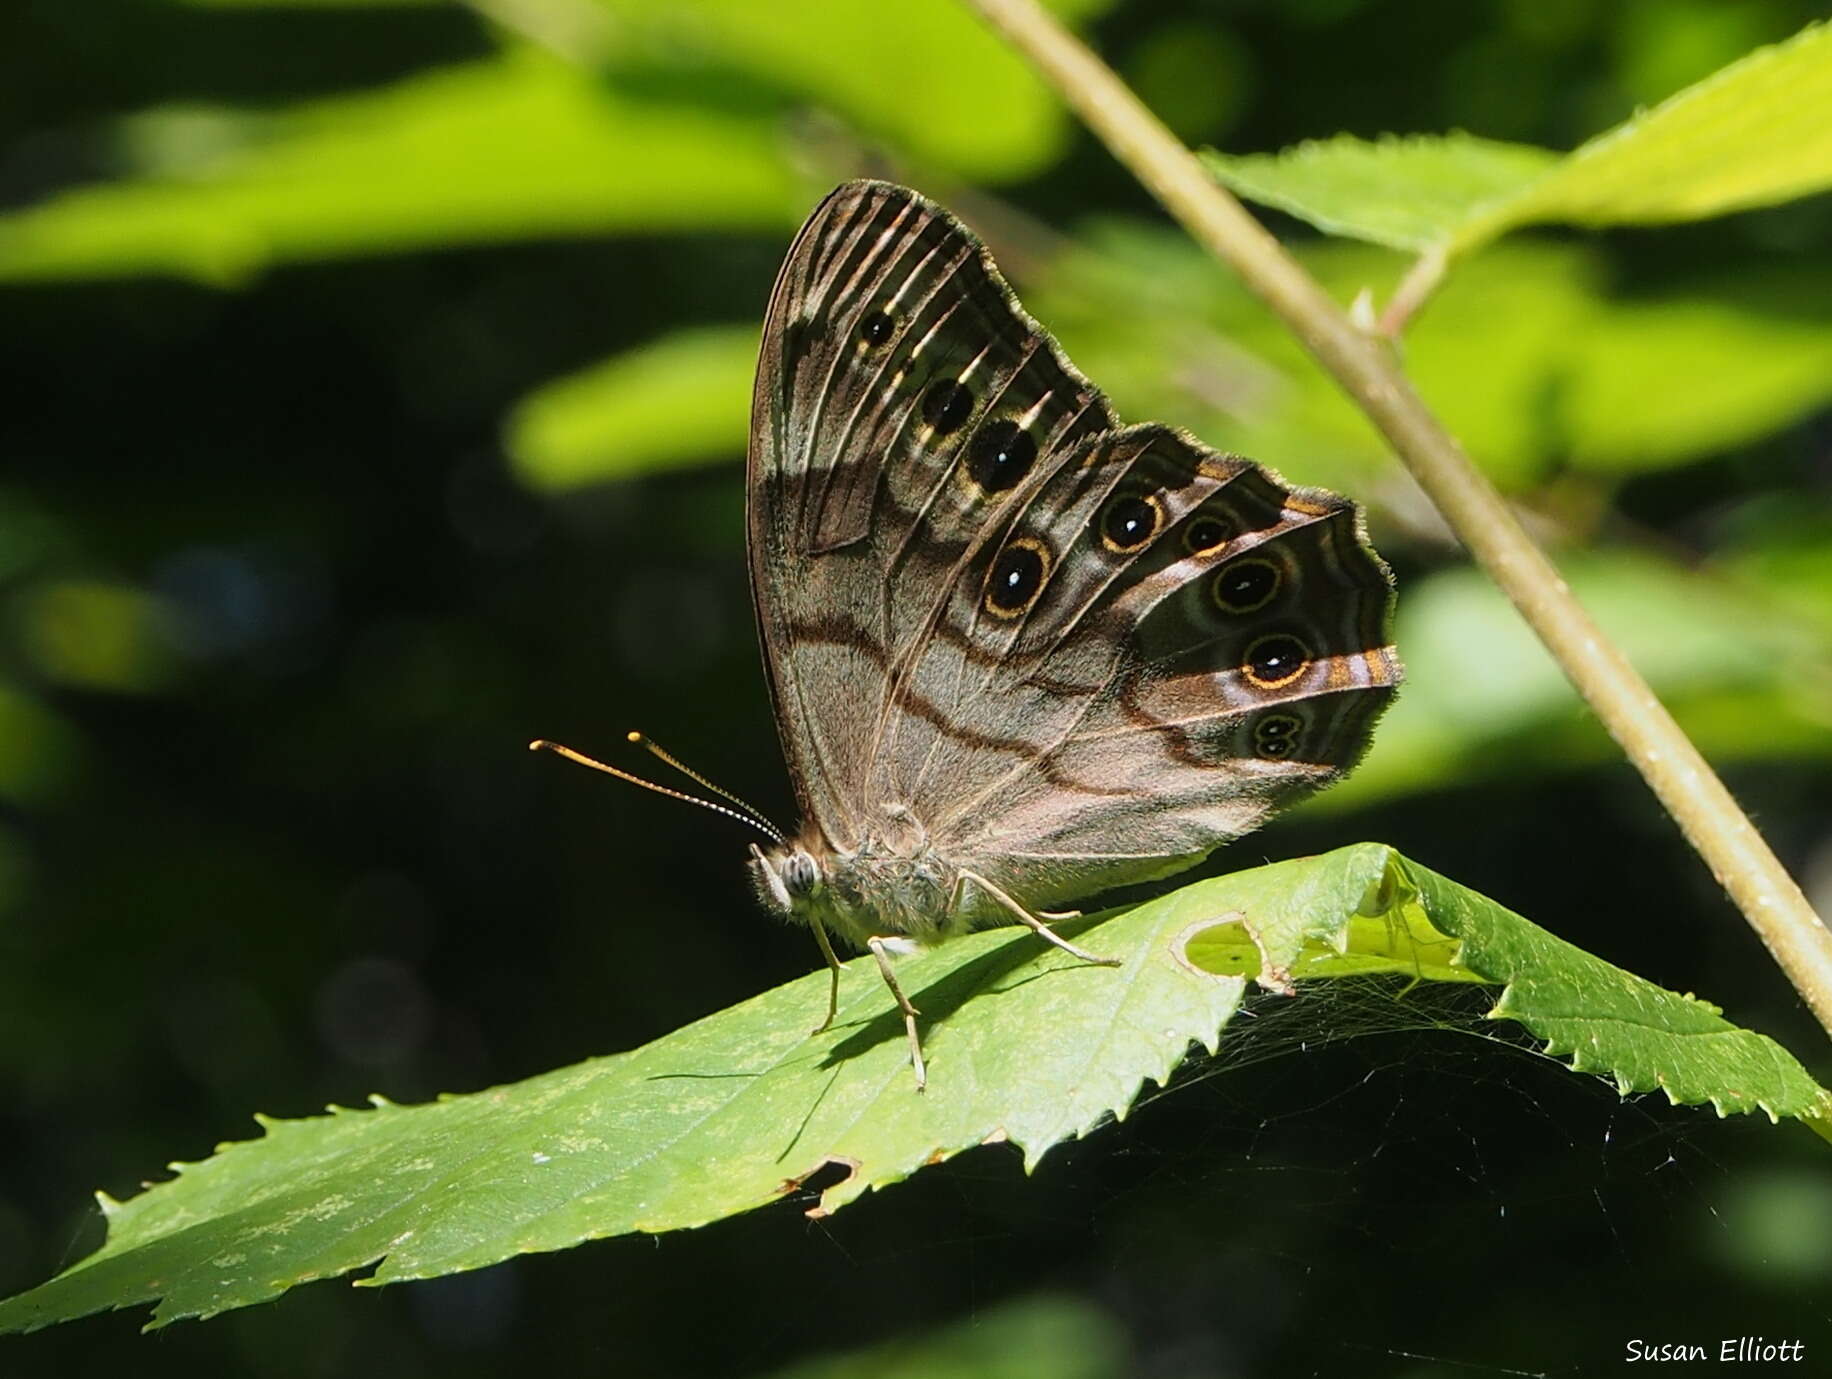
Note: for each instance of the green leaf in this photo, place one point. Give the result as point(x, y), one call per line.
point(734, 1111)
point(930, 81)
point(678, 400)
point(677, 117)
point(1412, 193)
point(519, 147)
point(834, 54)
point(1753, 134)
point(1564, 372)
point(1651, 382)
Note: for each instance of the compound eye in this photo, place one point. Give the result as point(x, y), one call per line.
point(799, 873)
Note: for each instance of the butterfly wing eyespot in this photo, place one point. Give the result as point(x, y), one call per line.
point(1275, 660)
point(946, 406)
point(1207, 534)
point(1130, 522)
point(999, 456)
point(875, 329)
point(1246, 585)
point(1017, 577)
point(1275, 735)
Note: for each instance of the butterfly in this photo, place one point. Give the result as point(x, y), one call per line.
point(1019, 654)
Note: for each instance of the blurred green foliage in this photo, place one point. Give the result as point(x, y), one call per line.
point(1058, 1336)
point(668, 119)
point(682, 399)
point(525, 144)
point(373, 372)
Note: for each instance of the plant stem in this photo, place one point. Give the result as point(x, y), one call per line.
point(1414, 290)
point(1364, 366)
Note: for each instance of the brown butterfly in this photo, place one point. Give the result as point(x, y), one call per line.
point(1020, 654)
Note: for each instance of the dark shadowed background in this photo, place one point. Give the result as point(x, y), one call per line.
point(375, 385)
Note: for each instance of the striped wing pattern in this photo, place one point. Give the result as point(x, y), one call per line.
point(895, 364)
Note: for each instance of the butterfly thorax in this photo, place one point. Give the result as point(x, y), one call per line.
point(886, 884)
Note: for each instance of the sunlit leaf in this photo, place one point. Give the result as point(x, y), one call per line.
point(930, 81)
point(1753, 134)
point(1651, 382)
point(1410, 193)
point(678, 400)
point(675, 116)
point(524, 146)
point(734, 1111)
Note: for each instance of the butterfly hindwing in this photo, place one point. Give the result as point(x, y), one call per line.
point(1164, 644)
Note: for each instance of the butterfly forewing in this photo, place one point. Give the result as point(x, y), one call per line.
point(903, 400)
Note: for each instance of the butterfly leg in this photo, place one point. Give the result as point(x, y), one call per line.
point(903, 1003)
point(1037, 925)
point(833, 969)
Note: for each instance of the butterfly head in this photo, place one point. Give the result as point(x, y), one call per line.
point(787, 878)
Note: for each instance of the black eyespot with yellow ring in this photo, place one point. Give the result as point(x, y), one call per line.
point(1276, 735)
point(1246, 585)
point(1207, 533)
point(874, 329)
point(1000, 455)
point(1275, 660)
point(1017, 577)
point(1130, 522)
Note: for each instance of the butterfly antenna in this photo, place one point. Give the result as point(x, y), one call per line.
point(748, 816)
point(654, 749)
